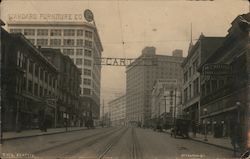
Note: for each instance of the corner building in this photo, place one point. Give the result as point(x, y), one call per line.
point(81, 42)
point(140, 78)
point(27, 78)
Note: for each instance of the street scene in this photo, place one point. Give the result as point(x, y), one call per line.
point(118, 142)
point(125, 79)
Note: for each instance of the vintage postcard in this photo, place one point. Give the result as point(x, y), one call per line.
point(125, 79)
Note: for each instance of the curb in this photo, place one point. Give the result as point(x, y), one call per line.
point(204, 142)
point(36, 135)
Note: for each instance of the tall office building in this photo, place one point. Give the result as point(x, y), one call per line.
point(140, 78)
point(80, 41)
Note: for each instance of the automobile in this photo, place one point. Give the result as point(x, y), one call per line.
point(180, 128)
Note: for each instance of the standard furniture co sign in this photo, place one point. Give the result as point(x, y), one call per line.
point(47, 17)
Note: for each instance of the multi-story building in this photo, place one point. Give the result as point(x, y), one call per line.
point(80, 41)
point(118, 111)
point(68, 87)
point(225, 88)
point(140, 78)
point(28, 83)
point(166, 96)
point(191, 84)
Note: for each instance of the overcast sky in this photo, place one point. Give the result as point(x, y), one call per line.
point(164, 24)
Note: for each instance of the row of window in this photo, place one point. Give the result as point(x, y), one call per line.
point(33, 68)
point(191, 70)
point(66, 42)
point(79, 52)
point(53, 32)
point(192, 90)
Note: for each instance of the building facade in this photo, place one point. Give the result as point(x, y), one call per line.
point(140, 78)
point(68, 87)
point(191, 77)
point(28, 82)
point(225, 96)
point(118, 111)
point(81, 42)
point(164, 100)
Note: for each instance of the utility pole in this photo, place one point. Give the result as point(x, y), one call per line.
point(102, 112)
point(175, 104)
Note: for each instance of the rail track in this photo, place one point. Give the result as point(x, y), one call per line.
point(96, 137)
point(111, 144)
point(136, 152)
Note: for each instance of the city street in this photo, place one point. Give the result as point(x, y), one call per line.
point(114, 142)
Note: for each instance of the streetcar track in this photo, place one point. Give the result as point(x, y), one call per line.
point(90, 143)
point(111, 144)
point(67, 143)
point(136, 149)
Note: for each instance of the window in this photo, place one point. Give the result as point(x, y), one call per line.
point(46, 77)
point(87, 62)
point(30, 86)
point(42, 42)
point(55, 42)
point(31, 67)
point(16, 30)
point(196, 86)
point(36, 89)
point(185, 94)
point(41, 74)
point(87, 81)
point(208, 90)
point(214, 85)
point(87, 72)
point(80, 70)
point(88, 34)
point(29, 31)
point(79, 32)
point(42, 32)
point(69, 32)
point(190, 91)
point(68, 51)
point(55, 32)
point(79, 51)
point(78, 61)
point(36, 70)
point(189, 72)
point(88, 43)
point(87, 53)
point(86, 91)
point(79, 42)
point(41, 91)
point(185, 77)
point(69, 42)
point(32, 41)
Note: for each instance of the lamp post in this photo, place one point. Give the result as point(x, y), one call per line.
point(238, 104)
point(205, 135)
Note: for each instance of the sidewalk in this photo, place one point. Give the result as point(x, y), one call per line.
point(37, 132)
point(219, 142)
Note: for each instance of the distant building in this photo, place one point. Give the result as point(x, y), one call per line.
point(191, 84)
point(140, 80)
point(80, 41)
point(118, 111)
point(28, 84)
point(165, 98)
point(68, 86)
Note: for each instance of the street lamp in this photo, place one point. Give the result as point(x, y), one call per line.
point(238, 104)
point(205, 135)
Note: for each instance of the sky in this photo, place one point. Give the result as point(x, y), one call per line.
point(127, 26)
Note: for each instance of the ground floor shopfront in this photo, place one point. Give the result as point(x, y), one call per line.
point(220, 115)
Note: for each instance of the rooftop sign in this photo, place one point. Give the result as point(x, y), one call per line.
point(44, 17)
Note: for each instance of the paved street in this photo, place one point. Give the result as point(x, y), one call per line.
point(115, 142)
